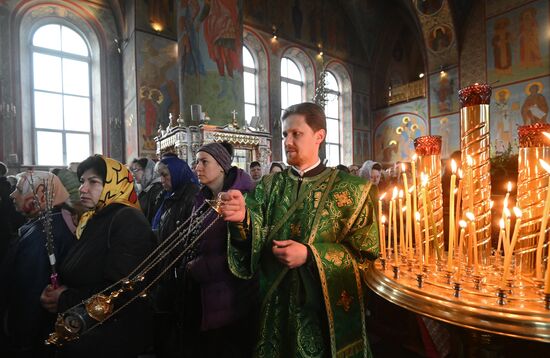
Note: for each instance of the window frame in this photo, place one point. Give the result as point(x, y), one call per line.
point(254, 71)
point(33, 49)
point(338, 144)
point(28, 23)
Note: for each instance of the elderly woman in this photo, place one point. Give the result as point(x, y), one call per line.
point(26, 270)
point(113, 238)
point(220, 309)
point(371, 171)
point(180, 186)
point(149, 180)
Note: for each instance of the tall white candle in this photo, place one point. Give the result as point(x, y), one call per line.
point(451, 217)
point(508, 256)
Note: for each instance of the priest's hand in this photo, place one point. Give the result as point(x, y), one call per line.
point(290, 253)
point(232, 207)
point(50, 297)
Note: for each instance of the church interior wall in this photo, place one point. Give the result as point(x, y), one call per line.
point(504, 43)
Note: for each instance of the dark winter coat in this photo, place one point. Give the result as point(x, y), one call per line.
point(116, 239)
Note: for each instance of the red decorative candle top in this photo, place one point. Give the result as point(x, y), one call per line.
point(532, 135)
point(428, 145)
point(474, 95)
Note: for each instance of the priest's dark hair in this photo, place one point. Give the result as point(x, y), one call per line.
point(313, 113)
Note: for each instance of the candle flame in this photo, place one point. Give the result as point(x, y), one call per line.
point(455, 191)
point(414, 157)
point(501, 224)
point(400, 194)
point(417, 216)
point(507, 212)
point(404, 209)
point(545, 165)
point(424, 179)
point(470, 216)
point(462, 224)
point(517, 212)
point(491, 204)
point(394, 195)
point(382, 196)
point(460, 173)
point(383, 219)
point(469, 160)
point(509, 187)
point(453, 166)
point(403, 168)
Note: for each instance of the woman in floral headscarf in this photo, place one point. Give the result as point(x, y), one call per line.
point(26, 270)
point(113, 238)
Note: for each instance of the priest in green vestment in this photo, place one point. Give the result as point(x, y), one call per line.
point(305, 231)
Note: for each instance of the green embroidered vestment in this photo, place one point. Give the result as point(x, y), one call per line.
point(317, 309)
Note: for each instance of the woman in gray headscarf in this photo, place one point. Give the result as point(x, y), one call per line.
point(149, 180)
point(371, 171)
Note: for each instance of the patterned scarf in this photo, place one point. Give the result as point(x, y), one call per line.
point(41, 184)
point(118, 188)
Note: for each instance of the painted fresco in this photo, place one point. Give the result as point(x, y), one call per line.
point(448, 127)
point(518, 104)
point(444, 92)
point(429, 7)
point(362, 147)
point(393, 139)
point(517, 44)
point(440, 38)
point(210, 45)
point(156, 15)
point(157, 88)
point(306, 21)
point(495, 7)
point(361, 110)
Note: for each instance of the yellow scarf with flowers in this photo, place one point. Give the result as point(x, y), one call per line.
point(118, 188)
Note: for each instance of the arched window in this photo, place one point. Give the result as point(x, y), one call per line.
point(292, 83)
point(333, 113)
point(250, 78)
point(292, 87)
point(61, 95)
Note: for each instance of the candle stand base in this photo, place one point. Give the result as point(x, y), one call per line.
point(525, 313)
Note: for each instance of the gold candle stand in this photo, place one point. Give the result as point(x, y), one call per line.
point(428, 149)
point(531, 194)
point(474, 142)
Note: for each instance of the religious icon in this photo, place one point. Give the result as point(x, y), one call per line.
point(534, 108)
point(441, 37)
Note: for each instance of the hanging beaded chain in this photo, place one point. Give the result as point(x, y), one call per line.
point(71, 324)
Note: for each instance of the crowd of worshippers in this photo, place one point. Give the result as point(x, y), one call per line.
point(104, 218)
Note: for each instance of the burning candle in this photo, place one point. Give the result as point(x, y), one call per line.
point(500, 234)
point(451, 217)
point(409, 221)
point(508, 256)
point(401, 224)
point(506, 237)
point(462, 225)
point(383, 236)
point(418, 238)
point(458, 200)
point(471, 237)
point(543, 224)
point(395, 251)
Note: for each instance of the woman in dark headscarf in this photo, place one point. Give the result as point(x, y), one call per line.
point(176, 204)
point(146, 175)
point(113, 238)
